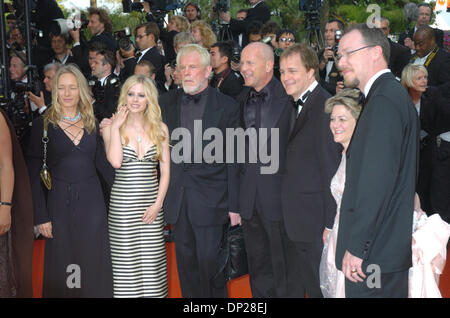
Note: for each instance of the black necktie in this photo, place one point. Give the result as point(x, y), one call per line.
point(189, 98)
point(255, 96)
point(138, 55)
point(301, 101)
point(361, 99)
point(297, 103)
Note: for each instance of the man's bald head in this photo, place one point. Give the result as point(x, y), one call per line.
point(424, 40)
point(257, 62)
point(259, 47)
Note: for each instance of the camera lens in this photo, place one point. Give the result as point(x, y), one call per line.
point(125, 44)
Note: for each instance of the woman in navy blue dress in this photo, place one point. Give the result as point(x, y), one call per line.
point(72, 215)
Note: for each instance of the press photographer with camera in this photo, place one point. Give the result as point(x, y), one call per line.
point(224, 78)
point(44, 100)
point(259, 11)
point(171, 74)
point(20, 110)
point(192, 12)
point(106, 90)
point(100, 27)
point(329, 73)
point(422, 13)
point(60, 47)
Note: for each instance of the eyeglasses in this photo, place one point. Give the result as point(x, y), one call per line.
point(290, 40)
point(141, 36)
point(347, 54)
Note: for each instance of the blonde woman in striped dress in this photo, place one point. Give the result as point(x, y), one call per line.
point(135, 141)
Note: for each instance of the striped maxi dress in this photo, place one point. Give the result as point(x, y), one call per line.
point(137, 249)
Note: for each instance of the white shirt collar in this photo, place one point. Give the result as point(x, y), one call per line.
point(373, 79)
point(310, 88)
point(256, 4)
point(102, 80)
point(422, 60)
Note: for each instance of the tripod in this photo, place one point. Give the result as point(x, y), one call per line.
point(224, 33)
point(313, 33)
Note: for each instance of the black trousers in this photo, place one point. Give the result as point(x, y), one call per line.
point(392, 285)
point(303, 260)
point(197, 253)
point(265, 255)
point(440, 182)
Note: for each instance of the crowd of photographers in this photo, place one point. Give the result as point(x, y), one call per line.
point(108, 58)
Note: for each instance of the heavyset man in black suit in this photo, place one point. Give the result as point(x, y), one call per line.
point(377, 205)
point(201, 196)
point(311, 161)
point(264, 105)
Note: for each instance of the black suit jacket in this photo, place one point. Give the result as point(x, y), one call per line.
point(311, 162)
point(259, 13)
point(153, 57)
point(377, 205)
point(439, 35)
point(210, 189)
point(232, 84)
point(266, 187)
point(439, 71)
point(399, 58)
point(81, 52)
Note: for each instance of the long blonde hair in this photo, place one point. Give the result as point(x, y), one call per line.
point(152, 114)
point(54, 113)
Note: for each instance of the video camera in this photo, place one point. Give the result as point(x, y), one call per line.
point(155, 6)
point(221, 6)
point(63, 26)
point(123, 39)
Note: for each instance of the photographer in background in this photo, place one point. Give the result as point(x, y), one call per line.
point(224, 78)
point(192, 12)
point(177, 23)
point(60, 47)
point(406, 38)
point(285, 38)
point(100, 26)
point(239, 36)
point(270, 30)
point(328, 71)
point(259, 11)
point(107, 89)
point(44, 100)
point(400, 55)
point(172, 77)
point(20, 110)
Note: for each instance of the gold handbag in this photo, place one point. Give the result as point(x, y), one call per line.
point(45, 172)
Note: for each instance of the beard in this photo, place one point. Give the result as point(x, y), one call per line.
point(351, 83)
point(193, 89)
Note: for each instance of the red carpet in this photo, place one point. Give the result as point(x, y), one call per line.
point(238, 288)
